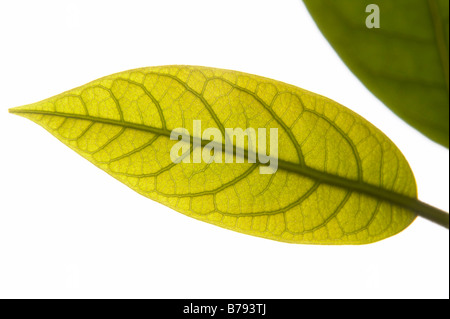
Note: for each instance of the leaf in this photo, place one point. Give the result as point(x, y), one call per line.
point(404, 62)
point(339, 179)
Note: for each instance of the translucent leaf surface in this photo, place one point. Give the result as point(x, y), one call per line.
point(339, 179)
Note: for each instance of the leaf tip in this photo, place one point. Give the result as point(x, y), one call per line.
point(18, 109)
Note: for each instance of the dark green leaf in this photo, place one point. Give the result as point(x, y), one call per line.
point(404, 62)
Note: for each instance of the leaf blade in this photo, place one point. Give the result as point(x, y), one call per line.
point(328, 154)
point(404, 62)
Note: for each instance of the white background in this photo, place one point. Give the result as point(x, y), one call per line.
point(69, 230)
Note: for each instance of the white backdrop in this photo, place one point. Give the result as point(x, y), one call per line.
point(69, 230)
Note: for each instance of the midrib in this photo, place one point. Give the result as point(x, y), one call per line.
point(438, 29)
point(410, 203)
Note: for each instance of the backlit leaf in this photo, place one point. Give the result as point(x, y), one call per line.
point(404, 62)
point(339, 180)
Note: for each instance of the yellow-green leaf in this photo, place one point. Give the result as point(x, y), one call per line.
point(399, 51)
point(339, 179)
